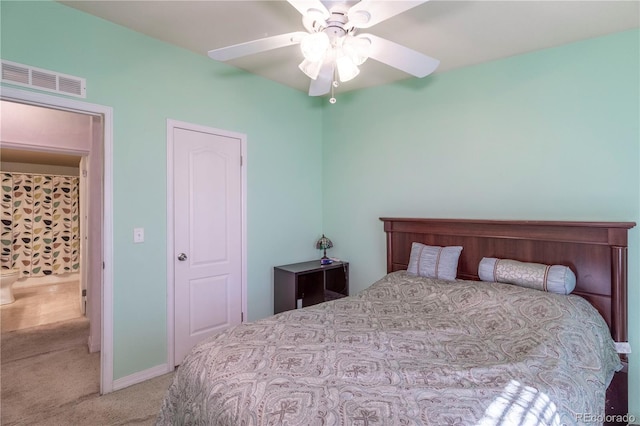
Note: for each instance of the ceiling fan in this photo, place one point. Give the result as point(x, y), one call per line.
point(332, 47)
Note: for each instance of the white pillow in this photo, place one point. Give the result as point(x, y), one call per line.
point(551, 278)
point(434, 261)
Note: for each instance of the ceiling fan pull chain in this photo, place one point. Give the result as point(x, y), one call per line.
point(334, 84)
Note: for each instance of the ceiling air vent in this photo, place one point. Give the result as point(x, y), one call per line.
point(38, 78)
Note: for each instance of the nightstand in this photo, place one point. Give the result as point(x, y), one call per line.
point(307, 283)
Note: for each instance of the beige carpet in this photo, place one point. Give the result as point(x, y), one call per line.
point(49, 378)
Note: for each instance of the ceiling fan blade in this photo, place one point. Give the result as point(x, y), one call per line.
point(368, 13)
point(256, 46)
point(308, 7)
point(400, 57)
point(322, 85)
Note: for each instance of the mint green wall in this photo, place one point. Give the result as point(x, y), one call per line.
point(146, 81)
point(550, 135)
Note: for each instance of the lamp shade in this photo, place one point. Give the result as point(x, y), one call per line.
point(311, 68)
point(324, 243)
point(315, 46)
point(347, 70)
point(356, 48)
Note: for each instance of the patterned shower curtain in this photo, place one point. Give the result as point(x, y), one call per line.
point(40, 224)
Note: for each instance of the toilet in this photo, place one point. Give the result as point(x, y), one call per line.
point(7, 278)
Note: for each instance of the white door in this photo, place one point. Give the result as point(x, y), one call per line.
point(207, 236)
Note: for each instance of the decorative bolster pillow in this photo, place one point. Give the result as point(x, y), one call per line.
point(434, 261)
point(551, 278)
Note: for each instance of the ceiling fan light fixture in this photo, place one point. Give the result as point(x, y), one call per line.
point(347, 70)
point(357, 48)
point(314, 46)
point(310, 68)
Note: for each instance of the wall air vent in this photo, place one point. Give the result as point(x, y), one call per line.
point(40, 79)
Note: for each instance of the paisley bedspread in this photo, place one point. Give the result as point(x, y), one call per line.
point(406, 351)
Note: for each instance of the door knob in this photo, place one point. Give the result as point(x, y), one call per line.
point(182, 257)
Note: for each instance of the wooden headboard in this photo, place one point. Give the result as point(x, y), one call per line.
point(595, 251)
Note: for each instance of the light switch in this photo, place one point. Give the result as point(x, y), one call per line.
point(138, 235)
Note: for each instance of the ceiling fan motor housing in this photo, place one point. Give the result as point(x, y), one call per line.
point(336, 24)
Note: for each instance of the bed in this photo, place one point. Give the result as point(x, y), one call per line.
point(419, 350)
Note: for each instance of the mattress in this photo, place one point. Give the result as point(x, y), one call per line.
point(406, 351)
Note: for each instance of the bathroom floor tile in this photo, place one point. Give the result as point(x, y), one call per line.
point(41, 305)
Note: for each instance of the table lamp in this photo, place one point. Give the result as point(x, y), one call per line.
point(323, 244)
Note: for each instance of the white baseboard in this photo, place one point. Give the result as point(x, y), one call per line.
point(141, 376)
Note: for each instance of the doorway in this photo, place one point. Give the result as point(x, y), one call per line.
point(99, 222)
point(43, 232)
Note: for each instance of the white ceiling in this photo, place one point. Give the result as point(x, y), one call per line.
point(458, 33)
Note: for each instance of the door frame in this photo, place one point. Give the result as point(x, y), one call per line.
point(83, 194)
point(171, 125)
point(106, 295)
